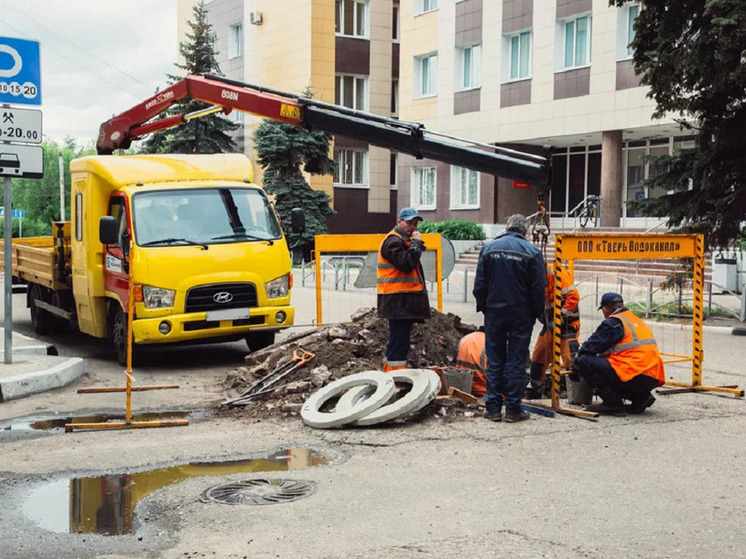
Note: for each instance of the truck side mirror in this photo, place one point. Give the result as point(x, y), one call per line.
point(108, 230)
point(297, 220)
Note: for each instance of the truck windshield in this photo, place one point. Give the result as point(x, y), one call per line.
point(204, 216)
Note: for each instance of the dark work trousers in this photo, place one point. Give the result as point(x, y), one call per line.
point(400, 330)
point(507, 339)
point(599, 374)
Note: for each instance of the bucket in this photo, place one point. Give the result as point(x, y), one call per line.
point(458, 378)
point(579, 392)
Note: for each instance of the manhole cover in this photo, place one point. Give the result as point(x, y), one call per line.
point(259, 492)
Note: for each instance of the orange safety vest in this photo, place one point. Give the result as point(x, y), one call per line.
point(472, 355)
point(637, 353)
point(570, 300)
point(389, 279)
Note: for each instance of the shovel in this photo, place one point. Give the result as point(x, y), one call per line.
point(300, 358)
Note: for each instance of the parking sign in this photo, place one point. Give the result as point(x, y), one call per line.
point(20, 72)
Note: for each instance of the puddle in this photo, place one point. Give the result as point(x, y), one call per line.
point(105, 504)
point(53, 425)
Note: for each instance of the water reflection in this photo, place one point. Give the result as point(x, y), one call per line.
point(105, 504)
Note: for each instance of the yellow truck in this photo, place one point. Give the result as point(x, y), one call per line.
point(202, 243)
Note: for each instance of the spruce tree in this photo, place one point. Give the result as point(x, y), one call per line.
point(281, 150)
point(691, 54)
point(208, 134)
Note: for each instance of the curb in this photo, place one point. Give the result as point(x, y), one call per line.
point(45, 374)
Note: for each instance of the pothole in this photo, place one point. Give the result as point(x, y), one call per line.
point(54, 424)
point(105, 504)
point(259, 492)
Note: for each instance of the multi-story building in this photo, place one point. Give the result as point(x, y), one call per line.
point(524, 74)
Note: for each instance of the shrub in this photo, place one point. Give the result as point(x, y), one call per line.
point(454, 229)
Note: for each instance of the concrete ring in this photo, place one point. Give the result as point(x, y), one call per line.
point(325, 420)
point(434, 389)
point(412, 400)
point(355, 395)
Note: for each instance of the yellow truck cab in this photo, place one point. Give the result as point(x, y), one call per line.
point(202, 243)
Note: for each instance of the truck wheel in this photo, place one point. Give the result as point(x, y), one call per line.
point(118, 329)
point(259, 340)
point(42, 321)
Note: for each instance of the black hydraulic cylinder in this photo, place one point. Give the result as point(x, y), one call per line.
point(413, 142)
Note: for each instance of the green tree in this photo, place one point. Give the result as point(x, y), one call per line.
point(208, 134)
point(691, 54)
point(281, 150)
point(40, 198)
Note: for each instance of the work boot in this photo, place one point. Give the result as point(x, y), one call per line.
point(639, 405)
point(494, 416)
point(611, 404)
point(535, 388)
point(515, 417)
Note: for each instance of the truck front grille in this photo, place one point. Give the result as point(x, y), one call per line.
point(221, 296)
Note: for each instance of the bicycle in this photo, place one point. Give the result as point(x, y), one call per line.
point(590, 211)
point(539, 230)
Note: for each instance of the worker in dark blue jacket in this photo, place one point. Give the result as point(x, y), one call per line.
point(509, 290)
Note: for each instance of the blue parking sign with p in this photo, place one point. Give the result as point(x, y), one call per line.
point(20, 71)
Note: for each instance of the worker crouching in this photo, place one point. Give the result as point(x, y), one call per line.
point(400, 281)
point(569, 328)
point(620, 360)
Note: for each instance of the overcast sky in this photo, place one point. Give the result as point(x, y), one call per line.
point(98, 57)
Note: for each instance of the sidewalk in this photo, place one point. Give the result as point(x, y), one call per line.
point(35, 367)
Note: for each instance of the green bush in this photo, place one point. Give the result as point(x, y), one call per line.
point(454, 229)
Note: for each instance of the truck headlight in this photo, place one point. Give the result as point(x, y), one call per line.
point(157, 297)
point(278, 287)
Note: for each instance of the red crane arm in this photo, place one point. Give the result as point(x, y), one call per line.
point(119, 131)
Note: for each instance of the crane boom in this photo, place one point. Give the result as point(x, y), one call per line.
point(226, 95)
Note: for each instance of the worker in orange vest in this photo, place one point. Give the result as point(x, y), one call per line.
point(569, 328)
point(472, 356)
point(400, 283)
point(620, 360)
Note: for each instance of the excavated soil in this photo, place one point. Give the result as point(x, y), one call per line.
point(341, 350)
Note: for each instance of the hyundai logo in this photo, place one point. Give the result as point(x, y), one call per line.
point(223, 297)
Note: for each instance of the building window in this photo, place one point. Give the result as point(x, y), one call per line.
point(422, 6)
point(426, 75)
point(351, 168)
point(632, 12)
point(395, 23)
point(351, 92)
point(423, 187)
point(235, 40)
point(519, 49)
point(464, 188)
point(468, 67)
point(577, 47)
point(393, 177)
point(394, 97)
point(351, 18)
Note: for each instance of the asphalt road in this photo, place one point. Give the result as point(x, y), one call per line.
point(668, 484)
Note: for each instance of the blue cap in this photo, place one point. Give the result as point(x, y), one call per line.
point(408, 214)
point(608, 299)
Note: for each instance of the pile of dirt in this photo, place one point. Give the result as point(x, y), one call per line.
point(339, 350)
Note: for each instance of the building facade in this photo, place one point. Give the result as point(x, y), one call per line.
point(545, 76)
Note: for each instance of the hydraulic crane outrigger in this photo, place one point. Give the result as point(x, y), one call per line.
point(407, 137)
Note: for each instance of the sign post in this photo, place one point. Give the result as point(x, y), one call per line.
point(20, 82)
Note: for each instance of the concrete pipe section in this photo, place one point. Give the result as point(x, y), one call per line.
point(311, 410)
point(356, 396)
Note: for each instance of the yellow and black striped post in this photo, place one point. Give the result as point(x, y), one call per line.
point(557, 322)
point(697, 310)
